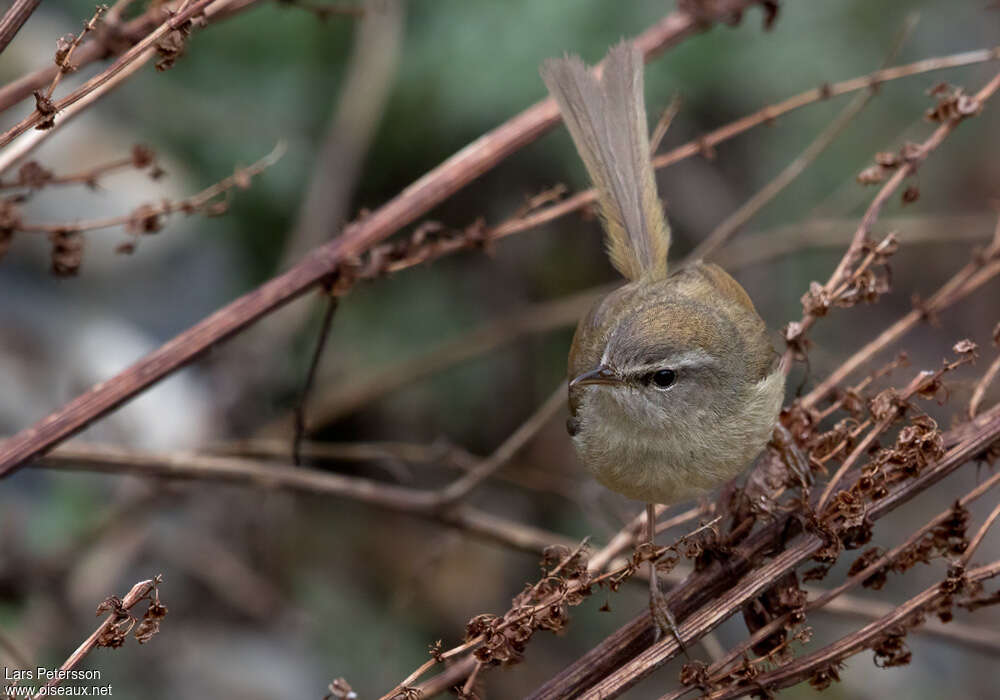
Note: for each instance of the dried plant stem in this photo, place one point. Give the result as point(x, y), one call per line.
point(95, 49)
point(115, 460)
point(136, 594)
point(89, 176)
point(984, 267)
point(13, 19)
point(841, 273)
point(735, 221)
point(65, 65)
point(300, 407)
point(828, 597)
point(739, 218)
point(971, 636)
point(196, 202)
point(613, 665)
point(177, 20)
point(31, 140)
point(447, 178)
point(982, 385)
point(977, 539)
point(440, 452)
point(801, 668)
point(919, 382)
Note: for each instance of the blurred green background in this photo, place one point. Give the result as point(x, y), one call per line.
point(271, 595)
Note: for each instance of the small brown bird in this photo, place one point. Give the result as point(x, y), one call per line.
point(674, 384)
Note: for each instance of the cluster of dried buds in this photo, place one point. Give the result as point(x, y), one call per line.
point(540, 606)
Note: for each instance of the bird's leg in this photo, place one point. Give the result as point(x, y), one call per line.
point(662, 617)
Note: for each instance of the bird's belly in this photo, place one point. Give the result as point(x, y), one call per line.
point(668, 464)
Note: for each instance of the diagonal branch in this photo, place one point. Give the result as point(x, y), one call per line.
point(14, 18)
point(449, 177)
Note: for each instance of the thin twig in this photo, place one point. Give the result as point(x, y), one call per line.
point(31, 140)
point(735, 221)
point(982, 268)
point(97, 48)
point(139, 50)
point(977, 539)
point(801, 668)
point(982, 385)
point(795, 332)
point(150, 215)
point(177, 465)
point(136, 594)
point(300, 406)
point(457, 171)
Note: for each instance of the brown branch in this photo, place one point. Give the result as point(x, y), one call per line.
point(628, 656)
point(115, 460)
point(827, 598)
point(101, 47)
point(102, 636)
point(300, 406)
point(982, 268)
point(32, 140)
point(440, 452)
point(982, 385)
point(915, 156)
point(802, 668)
point(176, 21)
point(977, 539)
point(14, 18)
point(434, 187)
point(64, 55)
point(739, 218)
point(568, 310)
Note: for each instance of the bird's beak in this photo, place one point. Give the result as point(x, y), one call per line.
point(601, 375)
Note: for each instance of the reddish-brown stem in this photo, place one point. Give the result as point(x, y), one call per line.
point(456, 172)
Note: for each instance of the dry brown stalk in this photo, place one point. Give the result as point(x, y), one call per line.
point(28, 142)
point(126, 35)
point(982, 268)
point(14, 18)
point(447, 178)
point(613, 665)
point(568, 310)
point(394, 258)
point(722, 667)
point(148, 218)
point(808, 666)
point(983, 384)
point(920, 384)
point(841, 276)
point(34, 176)
point(118, 624)
point(739, 218)
point(46, 111)
point(177, 465)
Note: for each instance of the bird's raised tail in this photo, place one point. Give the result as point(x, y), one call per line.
point(606, 117)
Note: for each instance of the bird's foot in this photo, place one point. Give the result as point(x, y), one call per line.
point(663, 619)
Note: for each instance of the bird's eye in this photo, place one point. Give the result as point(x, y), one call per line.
point(662, 378)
